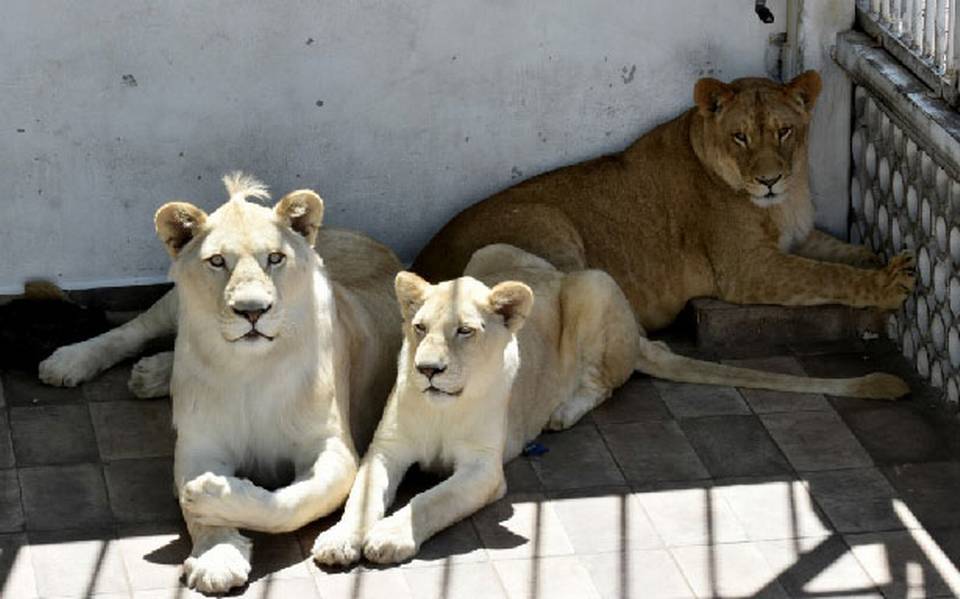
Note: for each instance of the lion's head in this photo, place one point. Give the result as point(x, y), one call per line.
point(456, 332)
point(243, 270)
point(752, 133)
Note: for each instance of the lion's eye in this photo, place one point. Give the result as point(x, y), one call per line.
point(784, 133)
point(216, 261)
point(465, 331)
point(419, 328)
point(276, 258)
point(740, 138)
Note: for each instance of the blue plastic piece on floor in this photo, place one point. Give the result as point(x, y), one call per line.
point(534, 449)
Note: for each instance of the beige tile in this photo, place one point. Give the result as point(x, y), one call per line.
point(651, 574)
point(728, 570)
point(76, 563)
point(817, 566)
point(906, 563)
point(692, 515)
point(774, 509)
point(152, 555)
point(605, 519)
point(363, 583)
point(553, 577)
point(455, 581)
point(521, 525)
point(17, 578)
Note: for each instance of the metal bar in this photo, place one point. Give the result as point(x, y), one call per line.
point(940, 54)
point(929, 29)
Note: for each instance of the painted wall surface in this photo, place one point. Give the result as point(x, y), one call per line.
point(398, 113)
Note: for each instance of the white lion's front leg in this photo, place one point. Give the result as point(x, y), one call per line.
point(150, 377)
point(73, 364)
point(472, 486)
point(219, 559)
point(372, 493)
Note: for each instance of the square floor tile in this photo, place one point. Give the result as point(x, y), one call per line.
point(816, 440)
point(686, 400)
point(277, 557)
point(142, 490)
point(764, 401)
point(772, 509)
point(817, 567)
point(455, 544)
point(735, 446)
point(897, 433)
point(22, 390)
point(455, 581)
point(110, 385)
point(57, 497)
point(694, 514)
point(152, 554)
point(521, 525)
point(11, 514)
point(929, 491)
point(6, 445)
point(576, 458)
point(653, 451)
point(58, 434)
point(729, 570)
point(521, 477)
point(17, 578)
point(278, 588)
point(651, 574)
point(636, 401)
point(554, 577)
point(77, 563)
point(363, 583)
point(856, 500)
point(133, 429)
point(605, 519)
point(906, 563)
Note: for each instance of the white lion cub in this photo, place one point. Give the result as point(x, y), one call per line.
point(482, 370)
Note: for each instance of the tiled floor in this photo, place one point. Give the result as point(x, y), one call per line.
point(667, 490)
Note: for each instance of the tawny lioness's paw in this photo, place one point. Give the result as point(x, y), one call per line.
point(340, 545)
point(219, 568)
point(390, 541)
point(863, 257)
point(897, 280)
point(70, 365)
point(150, 377)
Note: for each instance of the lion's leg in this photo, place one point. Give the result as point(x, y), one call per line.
point(150, 376)
point(215, 499)
point(74, 364)
point(777, 278)
point(373, 491)
point(472, 485)
point(823, 247)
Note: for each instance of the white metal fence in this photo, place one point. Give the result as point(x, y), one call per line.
point(921, 34)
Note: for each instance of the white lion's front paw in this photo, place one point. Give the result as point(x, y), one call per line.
point(150, 377)
point(568, 413)
point(338, 546)
point(218, 569)
point(70, 365)
point(390, 541)
point(205, 498)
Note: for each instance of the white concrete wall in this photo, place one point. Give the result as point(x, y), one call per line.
point(398, 113)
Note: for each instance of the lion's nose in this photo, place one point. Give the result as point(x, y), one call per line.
point(428, 370)
point(253, 315)
point(769, 181)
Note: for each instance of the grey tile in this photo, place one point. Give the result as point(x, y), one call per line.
point(905, 563)
point(605, 519)
point(3, 401)
point(653, 451)
point(773, 508)
point(152, 554)
point(133, 429)
point(22, 390)
point(651, 574)
point(691, 514)
point(453, 545)
point(728, 570)
point(816, 440)
point(636, 401)
point(685, 400)
point(77, 563)
point(929, 490)
point(764, 401)
point(142, 490)
point(56, 434)
point(554, 577)
point(735, 446)
point(577, 458)
point(817, 566)
point(856, 500)
point(521, 525)
point(897, 433)
point(11, 514)
point(57, 497)
point(17, 578)
point(521, 477)
point(455, 581)
point(6, 446)
point(277, 557)
point(110, 385)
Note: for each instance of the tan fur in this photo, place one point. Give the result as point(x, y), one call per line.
point(681, 213)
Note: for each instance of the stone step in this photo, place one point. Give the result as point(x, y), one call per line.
point(719, 325)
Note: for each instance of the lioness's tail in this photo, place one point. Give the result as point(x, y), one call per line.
point(657, 360)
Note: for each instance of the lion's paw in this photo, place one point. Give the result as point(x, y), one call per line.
point(898, 278)
point(150, 377)
point(205, 498)
point(338, 546)
point(218, 569)
point(863, 257)
point(390, 541)
point(569, 413)
point(70, 365)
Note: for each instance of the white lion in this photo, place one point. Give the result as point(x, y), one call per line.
point(484, 368)
point(279, 355)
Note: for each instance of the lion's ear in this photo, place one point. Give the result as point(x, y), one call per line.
point(711, 94)
point(513, 301)
point(804, 88)
point(302, 211)
point(177, 223)
point(411, 291)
